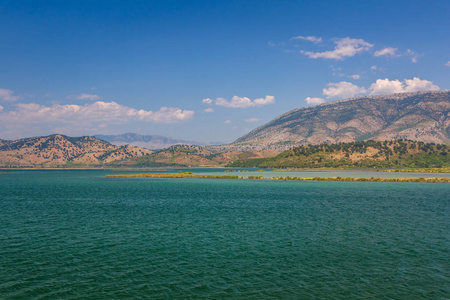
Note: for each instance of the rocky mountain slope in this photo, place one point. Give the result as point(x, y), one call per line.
point(61, 150)
point(152, 142)
point(420, 116)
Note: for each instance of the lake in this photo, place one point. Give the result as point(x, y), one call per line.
point(75, 234)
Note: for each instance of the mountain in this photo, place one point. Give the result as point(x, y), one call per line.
point(190, 156)
point(420, 116)
point(151, 142)
point(363, 154)
point(4, 142)
point(60, 150)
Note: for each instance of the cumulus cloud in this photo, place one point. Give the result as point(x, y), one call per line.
point(414, 56)
point(207, 101)
point(355, 76)
point(88, 97)
point(227, 122)
point(386, 51)
point(251, 120)
point(1, 108)
point(386, 86)
point(345, 47)
point(342, 89)
point(314, 100)
point(33, 115)
point(416, 84)
point(7, 95)
point(448, 64)
point(373, 68)
point(313, 39)
point(244, 102)
point(209, 110)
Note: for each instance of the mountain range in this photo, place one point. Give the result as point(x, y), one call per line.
point(152, 142)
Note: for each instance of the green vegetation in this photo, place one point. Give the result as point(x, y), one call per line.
point(176, 175)
point(182, 174)
point(372, 179)
point(419, 170)
point(256, 177)
point(400, 154)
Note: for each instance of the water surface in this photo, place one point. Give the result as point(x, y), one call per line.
point(77, 234)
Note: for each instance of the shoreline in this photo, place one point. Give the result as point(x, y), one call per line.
point(287, 178)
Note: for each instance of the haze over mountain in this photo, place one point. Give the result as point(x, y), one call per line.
point(152, 142)
point(420, 116)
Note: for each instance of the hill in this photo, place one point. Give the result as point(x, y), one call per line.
point(420, 116)
point(364, 154)
point(4, 142)
point(60, 150)
point(152, 142)
point(189, 156)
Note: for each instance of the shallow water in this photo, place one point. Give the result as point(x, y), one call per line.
point(77, 234)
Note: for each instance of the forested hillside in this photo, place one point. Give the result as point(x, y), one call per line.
point(364, 154)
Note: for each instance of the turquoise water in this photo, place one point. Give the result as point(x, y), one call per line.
point(77, 234)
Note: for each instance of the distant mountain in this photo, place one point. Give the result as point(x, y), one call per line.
point(151, 142)
point(60, 150)
point(420, 116)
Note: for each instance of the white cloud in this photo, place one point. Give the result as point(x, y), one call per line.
point(313, 39)
point(386, 51)
point(164, 115)
point(355, 76)
point(209, 110)
point(448, 64)
point(244, 102)
point(207, 101)
point(251, 120)
point(416, 84)
point(386, 86)
point(345, 47)
point(88, 97)
point(373, 68)
point(414, 56)
point(314, 100)
point(1, 108)
point(342, 89)
point(264, 101)
point(227, 122)
point(7, 95)
point(34, 117)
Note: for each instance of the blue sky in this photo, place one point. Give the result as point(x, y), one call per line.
point(208, 71)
